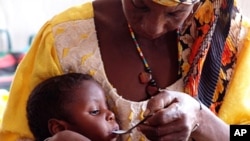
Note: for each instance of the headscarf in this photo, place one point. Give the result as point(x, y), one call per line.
point(175, 2)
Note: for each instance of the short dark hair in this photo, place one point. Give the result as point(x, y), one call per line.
point(48, 100)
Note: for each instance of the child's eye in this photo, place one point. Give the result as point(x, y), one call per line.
point(94, 112)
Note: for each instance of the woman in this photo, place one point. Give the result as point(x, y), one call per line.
point(179, 52)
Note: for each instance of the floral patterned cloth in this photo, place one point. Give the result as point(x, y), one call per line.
point(214, 36)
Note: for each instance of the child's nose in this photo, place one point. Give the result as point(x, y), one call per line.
point(110, 116)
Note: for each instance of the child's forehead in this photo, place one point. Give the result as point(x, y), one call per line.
point(88, 89)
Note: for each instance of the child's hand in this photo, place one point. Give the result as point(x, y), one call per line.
point(67, 135)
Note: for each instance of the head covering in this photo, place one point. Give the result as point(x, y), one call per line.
point(175, 2)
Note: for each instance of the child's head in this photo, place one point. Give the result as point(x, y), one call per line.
point(73, 102)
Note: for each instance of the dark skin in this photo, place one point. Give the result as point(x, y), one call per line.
point(175, 113)
point(116, 44)
point(89, 114)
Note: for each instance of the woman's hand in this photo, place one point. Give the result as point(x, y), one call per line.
point(175, 117)
point(67, 135)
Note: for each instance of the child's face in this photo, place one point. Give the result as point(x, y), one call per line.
point(90, 115)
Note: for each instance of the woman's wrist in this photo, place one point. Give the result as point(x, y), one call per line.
point(197, 124)
point(196, 131)
point(210, 127)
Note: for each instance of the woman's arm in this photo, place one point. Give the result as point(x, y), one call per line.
point(39, 63)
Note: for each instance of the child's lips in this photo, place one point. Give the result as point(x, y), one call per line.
point(115, 128)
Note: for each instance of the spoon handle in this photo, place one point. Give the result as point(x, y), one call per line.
point(142, 121)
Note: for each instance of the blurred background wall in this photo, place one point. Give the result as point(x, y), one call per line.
point(23, 18)
point(244, 5)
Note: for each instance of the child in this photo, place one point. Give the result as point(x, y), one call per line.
point(74, 102)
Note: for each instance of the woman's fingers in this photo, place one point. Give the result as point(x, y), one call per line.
point(174, 116)
point(169, 132)
point(162, 130)
point(165, 115)
point(159, 102)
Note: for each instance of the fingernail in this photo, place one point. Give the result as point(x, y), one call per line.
point(138, 128)
point(146, 122)
point(146, 113)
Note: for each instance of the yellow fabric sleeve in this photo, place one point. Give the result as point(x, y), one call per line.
point(41, 62)
point(236, 105)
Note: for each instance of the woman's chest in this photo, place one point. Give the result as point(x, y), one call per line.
point(123, 64)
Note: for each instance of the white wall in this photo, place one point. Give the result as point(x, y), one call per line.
point(25, 17)
point(244, 5)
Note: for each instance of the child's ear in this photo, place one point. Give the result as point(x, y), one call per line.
point(56, 126)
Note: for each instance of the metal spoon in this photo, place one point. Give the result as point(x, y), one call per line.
point(129, 130)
